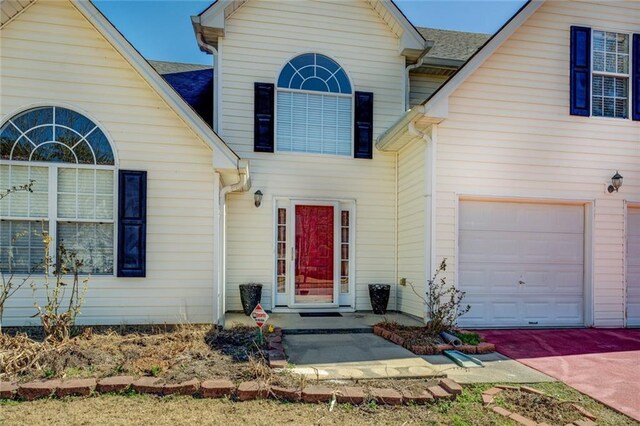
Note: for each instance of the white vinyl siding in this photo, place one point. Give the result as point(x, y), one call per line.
point(271, 33)
point(423, 85)
point(313, 123)
point(50, 53)
point(509, 134)
point(412, 236)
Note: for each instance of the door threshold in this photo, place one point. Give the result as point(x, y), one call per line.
point(319, 314)
point(287, 310)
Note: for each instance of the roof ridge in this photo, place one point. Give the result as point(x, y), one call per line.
point(453, 31)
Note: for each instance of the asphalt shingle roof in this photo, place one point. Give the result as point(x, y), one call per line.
point(164, 67)
point(453, 44)
point(194, 83)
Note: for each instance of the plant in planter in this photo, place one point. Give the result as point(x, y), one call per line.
point(250, 296)
point(444, 302)
point(379, 295)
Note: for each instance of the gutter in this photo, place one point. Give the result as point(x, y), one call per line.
point(384, 140)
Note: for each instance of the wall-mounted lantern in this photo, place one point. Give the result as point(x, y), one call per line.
point(257, 198)
point(616, 183)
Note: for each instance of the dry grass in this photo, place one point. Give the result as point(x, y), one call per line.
point(144, 409)
point(174, 354)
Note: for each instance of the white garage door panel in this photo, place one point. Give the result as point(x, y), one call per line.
point(633, 267)
point(521, 264)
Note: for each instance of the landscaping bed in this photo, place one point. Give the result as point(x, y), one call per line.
point(421, 341)
point(173, 354)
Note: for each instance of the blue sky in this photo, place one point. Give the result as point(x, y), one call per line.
point(161, 30)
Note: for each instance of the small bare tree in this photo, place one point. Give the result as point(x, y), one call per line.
point(444, 302)
point(56, 316)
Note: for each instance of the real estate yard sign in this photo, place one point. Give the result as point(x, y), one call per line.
point(260, 317)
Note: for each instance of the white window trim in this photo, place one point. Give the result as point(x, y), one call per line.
point(346, 302)
point(52, 196)
point(630, 99)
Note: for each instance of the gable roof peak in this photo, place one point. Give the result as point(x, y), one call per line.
point(209, 24)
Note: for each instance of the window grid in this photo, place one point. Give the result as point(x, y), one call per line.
point(281, 251)
point(22, 246)
point(344, 252)
point(74, 203)
point(610, 76)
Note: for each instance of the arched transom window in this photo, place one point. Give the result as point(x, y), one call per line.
point(71, 164)
point(314, 107)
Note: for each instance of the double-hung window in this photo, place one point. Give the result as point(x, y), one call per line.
point(71, 165)
point(314, 107)
point(610, 74)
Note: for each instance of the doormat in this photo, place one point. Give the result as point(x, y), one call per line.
point(320, 314)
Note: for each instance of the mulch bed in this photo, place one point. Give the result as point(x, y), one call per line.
point(421, 341)
point(173, 354)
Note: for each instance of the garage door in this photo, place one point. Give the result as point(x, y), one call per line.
point(521, 264)
point(633, 267)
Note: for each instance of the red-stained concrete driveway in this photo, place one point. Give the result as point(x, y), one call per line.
point(602, 363)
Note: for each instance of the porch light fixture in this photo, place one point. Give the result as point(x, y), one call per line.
point(616, 183)
point(257, 198)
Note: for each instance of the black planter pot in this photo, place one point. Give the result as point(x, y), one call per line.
point(379, 295)
point(250, 295)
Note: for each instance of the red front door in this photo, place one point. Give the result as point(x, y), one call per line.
point(314, 260)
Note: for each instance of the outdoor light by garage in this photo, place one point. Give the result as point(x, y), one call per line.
point(616, 183)
point(257, 198)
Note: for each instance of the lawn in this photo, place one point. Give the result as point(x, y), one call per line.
point(132, 409)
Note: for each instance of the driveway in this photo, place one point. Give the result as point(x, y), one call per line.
point(602, 363)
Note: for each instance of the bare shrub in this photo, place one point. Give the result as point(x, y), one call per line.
point(57, 316)
point(444, 302)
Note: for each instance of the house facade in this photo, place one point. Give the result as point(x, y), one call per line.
point(334, 145)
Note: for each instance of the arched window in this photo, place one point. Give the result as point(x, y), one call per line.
point(72, 166)
point(314, 107)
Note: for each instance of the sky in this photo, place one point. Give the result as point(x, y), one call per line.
point(161, 30)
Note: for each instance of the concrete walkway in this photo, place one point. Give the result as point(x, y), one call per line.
point(497, 369)
point(602, 363)
point(353, 356)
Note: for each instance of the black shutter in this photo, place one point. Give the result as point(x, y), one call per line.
point(635, 78)
point(132, 223)
point(363, 125)
point(580, 71)
point(263, 117)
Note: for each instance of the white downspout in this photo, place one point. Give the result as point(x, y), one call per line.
point(396, 241)
point(243, 184)
point(408, 69)
point(217, 303)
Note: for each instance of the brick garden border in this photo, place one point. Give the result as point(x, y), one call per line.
point(489, 394)
point(481, 348)
point(224, 388)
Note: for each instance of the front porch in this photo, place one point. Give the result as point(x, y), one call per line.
point(294, 323)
